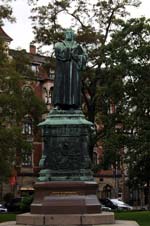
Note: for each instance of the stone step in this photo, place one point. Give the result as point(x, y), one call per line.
point(117, 223)
point(66, 219)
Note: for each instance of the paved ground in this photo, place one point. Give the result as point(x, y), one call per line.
point(118, 223)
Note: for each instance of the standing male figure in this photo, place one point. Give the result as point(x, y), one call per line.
point(70, 60)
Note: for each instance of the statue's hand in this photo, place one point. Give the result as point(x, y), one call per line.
point(75, 57)
point(68, 54)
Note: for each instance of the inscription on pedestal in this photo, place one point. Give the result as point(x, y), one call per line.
point(65, 193)
point(65, 131)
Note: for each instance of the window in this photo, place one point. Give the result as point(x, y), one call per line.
point(27, 126)
point(51, 74)
point(107, 191)
point(35, 68)
point(26, 158)
point(47, 93)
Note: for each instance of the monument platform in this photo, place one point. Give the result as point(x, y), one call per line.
point(117, 223)
point(62, 219)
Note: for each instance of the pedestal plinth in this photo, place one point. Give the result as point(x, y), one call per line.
point(66, 147)
point(68, 197)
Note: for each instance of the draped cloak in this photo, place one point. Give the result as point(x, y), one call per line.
point(67, 84)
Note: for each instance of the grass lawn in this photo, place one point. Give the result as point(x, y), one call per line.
point(7, 217)
point(141, 217)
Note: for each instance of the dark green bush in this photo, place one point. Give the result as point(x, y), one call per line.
point(25, 203)
point(8, 197)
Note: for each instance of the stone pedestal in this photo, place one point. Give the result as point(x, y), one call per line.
point(65, 198)
point(66, 147)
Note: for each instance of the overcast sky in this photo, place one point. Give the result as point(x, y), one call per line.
point(21, 31)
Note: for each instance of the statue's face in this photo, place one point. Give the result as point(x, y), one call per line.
point(69, 35)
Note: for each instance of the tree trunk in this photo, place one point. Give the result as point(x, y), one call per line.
point(148, 195)
point(1, 191)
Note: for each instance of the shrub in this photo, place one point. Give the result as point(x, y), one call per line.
point(25, 203)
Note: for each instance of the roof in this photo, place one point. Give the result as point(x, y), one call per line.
point(5, 36)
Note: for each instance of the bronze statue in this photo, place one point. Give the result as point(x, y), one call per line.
point(70, 60)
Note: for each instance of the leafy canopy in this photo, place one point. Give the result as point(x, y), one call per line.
point(14, 105)
point(116, 81)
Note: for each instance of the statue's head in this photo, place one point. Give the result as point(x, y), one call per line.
point(69, 34)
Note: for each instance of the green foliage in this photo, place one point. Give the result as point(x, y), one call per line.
point(14, 105)
point(96, 167)
point(14, 102)
point(21, 65)
point(25, 203)
point(117, 75)
point(8, 197)
point(134, 55)
point(5, 11)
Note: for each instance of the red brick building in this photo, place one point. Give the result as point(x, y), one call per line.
point(41, 84)
point(5, 36)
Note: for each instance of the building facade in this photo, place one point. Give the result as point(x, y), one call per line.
point(41, 83)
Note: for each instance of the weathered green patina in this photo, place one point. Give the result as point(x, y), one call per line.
point(66, 147)
point(70, 60)
point(66, 131)
point(62, 117)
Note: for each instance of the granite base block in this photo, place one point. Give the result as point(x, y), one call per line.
point(61, 219)
point(30, 219)
point(98, 219)
point(117, 223)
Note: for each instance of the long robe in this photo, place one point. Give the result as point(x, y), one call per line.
point(67, 85)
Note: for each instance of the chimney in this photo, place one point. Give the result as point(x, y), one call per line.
point(32, 49)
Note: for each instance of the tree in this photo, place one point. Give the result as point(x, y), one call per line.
point(6, 11)
point(15, 102)
point(95, 23)
point(134, 55)
point(116, 81)
point(14, 105)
